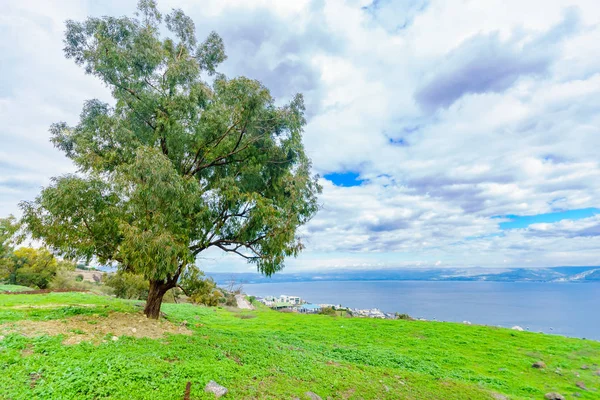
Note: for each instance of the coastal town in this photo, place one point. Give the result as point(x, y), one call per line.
point(287, 303)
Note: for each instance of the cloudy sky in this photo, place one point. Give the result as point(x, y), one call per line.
point(446, 132)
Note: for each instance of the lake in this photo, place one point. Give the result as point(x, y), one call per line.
point(569, 309)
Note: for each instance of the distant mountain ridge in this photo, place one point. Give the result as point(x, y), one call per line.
point(552, 274)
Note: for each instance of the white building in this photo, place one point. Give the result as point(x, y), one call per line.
point(290, 299)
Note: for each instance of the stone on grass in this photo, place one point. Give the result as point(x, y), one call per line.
point(517, 328)
point(115, 338)
point(498, 396)
point(580, 385)
point(554, 396)
point(214, 387)
point(539, 364)
point(313, 396)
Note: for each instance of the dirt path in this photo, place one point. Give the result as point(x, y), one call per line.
point(243, 303)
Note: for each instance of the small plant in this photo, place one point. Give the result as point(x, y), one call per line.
point(328, 311)
point(404, 316)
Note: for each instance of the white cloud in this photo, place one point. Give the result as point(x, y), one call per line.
point(518, 138)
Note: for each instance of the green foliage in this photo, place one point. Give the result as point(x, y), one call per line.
point(66, 279)
point(177, 165)
point(200, 289)
point(14, 288)
point(8, 228)
point(404, 316)
point(127, 285)
point(283, 355)
point(30, 267)
point(328, 311)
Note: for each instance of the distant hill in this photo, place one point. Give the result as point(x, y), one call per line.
point(552, 274)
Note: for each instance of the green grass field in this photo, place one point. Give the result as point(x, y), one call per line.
point(13, 288)
point(264, 354)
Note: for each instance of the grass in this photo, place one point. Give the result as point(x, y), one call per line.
point(264, 354)
point(13, 288)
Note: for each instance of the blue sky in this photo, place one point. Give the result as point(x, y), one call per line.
point(446, 132)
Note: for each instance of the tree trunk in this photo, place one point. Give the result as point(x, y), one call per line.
point(155, 298)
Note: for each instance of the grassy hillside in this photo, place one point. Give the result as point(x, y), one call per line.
point(13, 288)
point(80, 345)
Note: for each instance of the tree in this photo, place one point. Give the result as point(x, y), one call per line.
point(8, 229)
point(200, 289)
point(184, 161)
point(33, 267)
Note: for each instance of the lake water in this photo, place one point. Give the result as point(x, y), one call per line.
point(570, 309)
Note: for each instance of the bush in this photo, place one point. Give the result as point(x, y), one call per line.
point(404, 316)
point(128, 286)
point(200, 289)
point(65, 279)
point(32, 267)
point(328, 311)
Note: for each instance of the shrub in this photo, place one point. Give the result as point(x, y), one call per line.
point(200, 289)
point(32, 267)
point(328, 311)
point(404, 316)
point(65, 279)
point(128, 286)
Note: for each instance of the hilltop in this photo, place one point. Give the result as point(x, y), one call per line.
point(81, 345)
point(552, 274)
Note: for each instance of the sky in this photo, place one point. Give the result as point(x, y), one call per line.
point(447, 133)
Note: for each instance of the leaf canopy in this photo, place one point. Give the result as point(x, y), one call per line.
point(185, 159)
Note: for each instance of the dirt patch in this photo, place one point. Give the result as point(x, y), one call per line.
point(94, 328)
point(33, 378)
point(242, 303)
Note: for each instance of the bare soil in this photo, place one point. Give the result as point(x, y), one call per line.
point(97, 329)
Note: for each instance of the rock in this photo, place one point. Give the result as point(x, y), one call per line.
point(467, 322)
point(558, 371)
point(498, 396)
point(585, 367)
point(580, 385)
point(115, 338)
point(313, 396)
point(517, 328)
point(214, 387)
point(598, 372)
point(133, 330)
point(539, 364)
point(184, 323)
point(554, 396)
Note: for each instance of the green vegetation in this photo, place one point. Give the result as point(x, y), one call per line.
point(127, 285)
point(14, 288)
point(179, 164)
point(266, 354)
point(31, 267)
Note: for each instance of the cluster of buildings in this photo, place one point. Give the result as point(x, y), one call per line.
point(297, 304)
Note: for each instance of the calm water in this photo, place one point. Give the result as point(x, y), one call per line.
point(569, 309)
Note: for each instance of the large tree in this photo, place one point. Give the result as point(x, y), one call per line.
point(184, 159)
